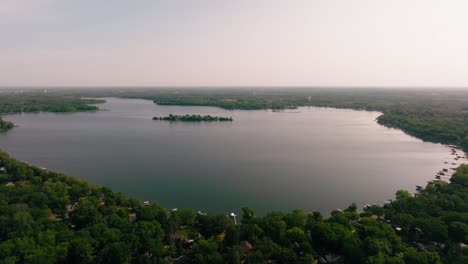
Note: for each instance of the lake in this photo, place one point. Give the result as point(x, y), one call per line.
point(309, 158)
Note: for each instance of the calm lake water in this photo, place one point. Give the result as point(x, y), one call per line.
point(311, 158)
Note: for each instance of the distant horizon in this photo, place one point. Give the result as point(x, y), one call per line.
point(229, 87)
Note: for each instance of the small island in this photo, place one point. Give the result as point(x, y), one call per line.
point(5, 125)
point(193, 118)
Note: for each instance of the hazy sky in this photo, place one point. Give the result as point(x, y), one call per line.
point(234, 43)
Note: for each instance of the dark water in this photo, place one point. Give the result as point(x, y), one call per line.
point(314, 159)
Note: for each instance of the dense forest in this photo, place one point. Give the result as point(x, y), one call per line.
point(193, 118)
point(33, 101)
point(47, 217)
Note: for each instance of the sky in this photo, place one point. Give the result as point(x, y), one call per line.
point(398, 43)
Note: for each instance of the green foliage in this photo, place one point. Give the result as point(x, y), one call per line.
point(34, 101)
point(464, 143)
point(193, 118)
point(187, 216)
point(5, 125)
point(206, 252)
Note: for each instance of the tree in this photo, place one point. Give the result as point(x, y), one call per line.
point(116, 252)
point(82, 248)
point(247, 214)
point(152, 212)
point(411, 256)
point(85, 214)
point(234, 255)
point(464, 143)
point(296, 234)
point(402, 194)
point(150, 236)
point(187, 216)
point(458, 232)
point(297, 218)
point(232, 235)
point(23, 223)
point(206, 252)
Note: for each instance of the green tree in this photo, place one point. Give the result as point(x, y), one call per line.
point(206, 252)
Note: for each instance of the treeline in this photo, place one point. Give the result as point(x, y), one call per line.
point(33, 101)
point(193, 118)
point(47, 217)
point(36, 102)
point(226, 103)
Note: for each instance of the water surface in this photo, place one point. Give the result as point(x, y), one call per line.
point(310, 158)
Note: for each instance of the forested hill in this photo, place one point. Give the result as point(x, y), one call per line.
point(47, 217)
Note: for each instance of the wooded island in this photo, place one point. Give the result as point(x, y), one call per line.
point(5, 125)
point(193, 118)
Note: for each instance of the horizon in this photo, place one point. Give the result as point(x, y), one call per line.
point(240, 87)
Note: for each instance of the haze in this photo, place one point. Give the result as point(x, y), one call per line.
point(233, 43)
